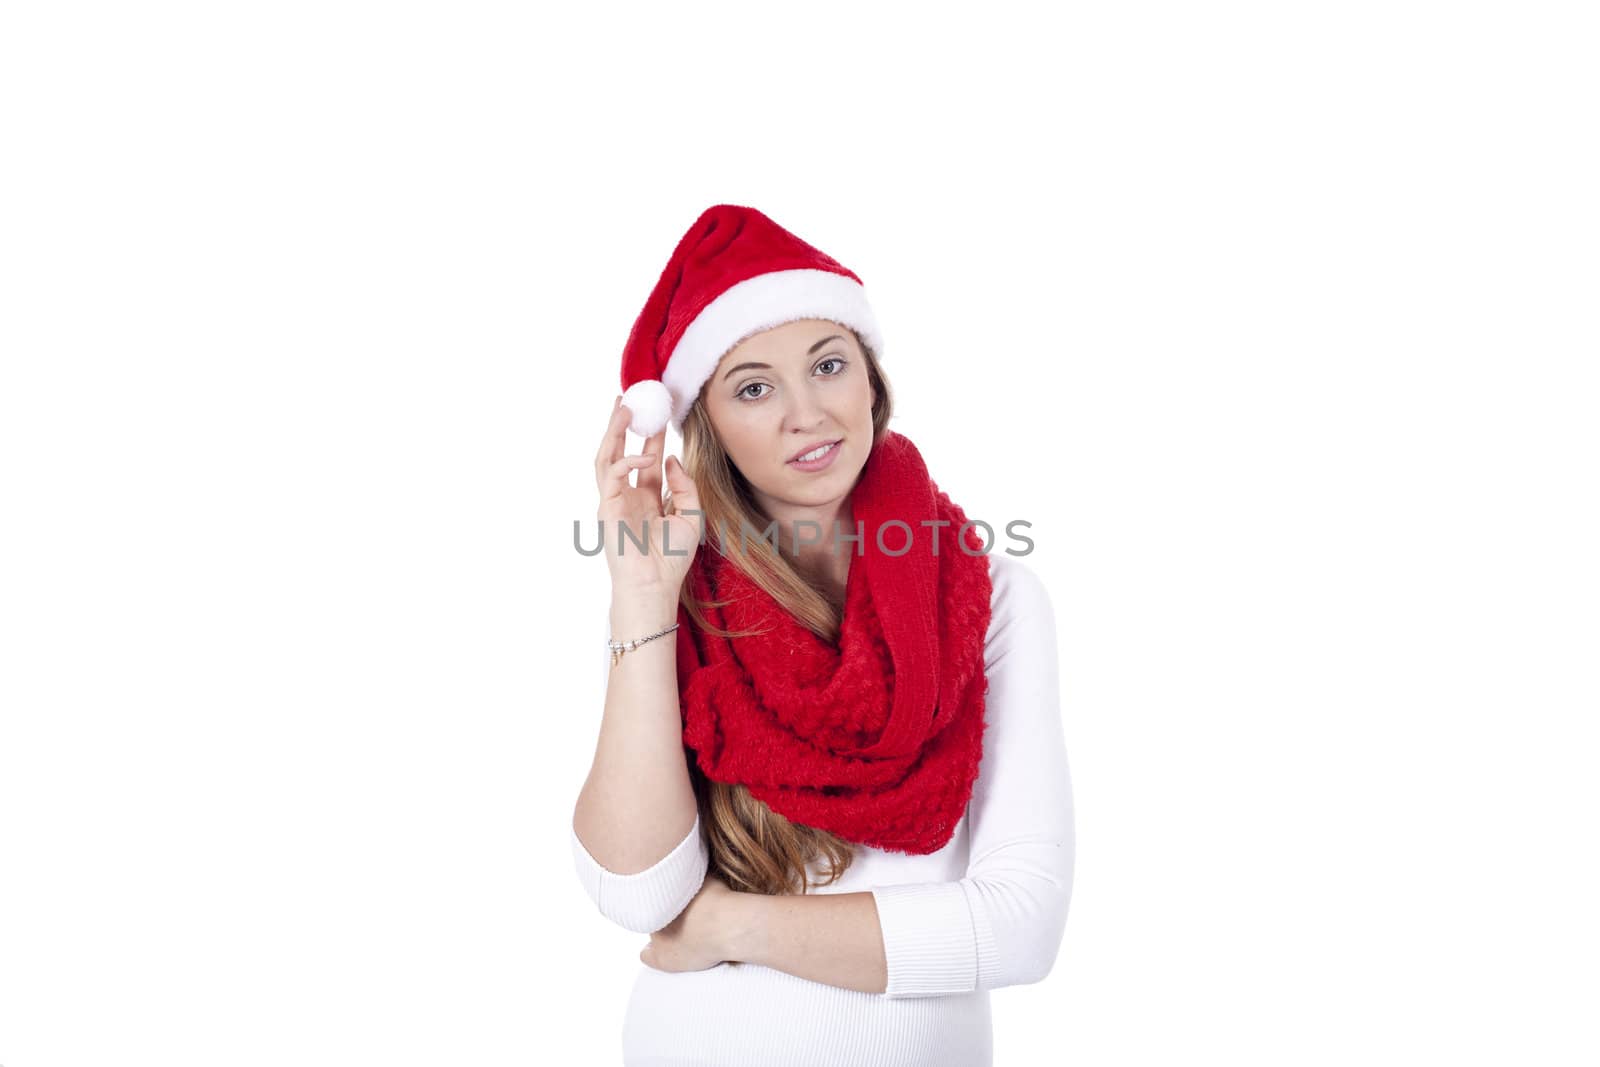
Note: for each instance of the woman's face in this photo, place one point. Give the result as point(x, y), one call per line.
point(783, 392)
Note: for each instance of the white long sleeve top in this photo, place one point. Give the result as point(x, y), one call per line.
point(986, 911)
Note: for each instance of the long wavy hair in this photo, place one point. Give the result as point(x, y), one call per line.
point(752, 847)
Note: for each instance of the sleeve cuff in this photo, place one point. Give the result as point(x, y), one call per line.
point(647, 900)
point(929, 940)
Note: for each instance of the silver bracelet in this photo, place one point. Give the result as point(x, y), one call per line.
point(619, 647)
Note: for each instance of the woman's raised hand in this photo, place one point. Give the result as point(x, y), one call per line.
point(639, 508)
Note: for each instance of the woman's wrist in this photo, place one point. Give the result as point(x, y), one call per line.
point(636, 612)
point(741, 926)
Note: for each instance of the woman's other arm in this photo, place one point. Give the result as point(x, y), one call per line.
point(1003, 923)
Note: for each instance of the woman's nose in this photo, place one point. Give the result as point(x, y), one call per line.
point(804, 413)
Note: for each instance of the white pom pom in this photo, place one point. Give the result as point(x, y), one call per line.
point(651, 405)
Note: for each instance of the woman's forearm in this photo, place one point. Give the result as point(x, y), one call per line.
point(832, 938)
point(637, 803)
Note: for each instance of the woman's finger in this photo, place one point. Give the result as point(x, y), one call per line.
point(615, 479)
point(681, 484)
point(614, 441)
point(650, 477)
point(684, 495)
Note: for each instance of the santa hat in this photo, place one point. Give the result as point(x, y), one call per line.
point(734, 273)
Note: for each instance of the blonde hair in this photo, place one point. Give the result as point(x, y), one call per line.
point(752, 847)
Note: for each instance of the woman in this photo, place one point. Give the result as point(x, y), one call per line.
point(830, 781)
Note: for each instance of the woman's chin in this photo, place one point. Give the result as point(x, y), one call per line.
point(817, 489)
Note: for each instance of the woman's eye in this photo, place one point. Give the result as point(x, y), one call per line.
point(745, 394)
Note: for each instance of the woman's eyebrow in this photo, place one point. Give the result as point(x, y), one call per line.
point(767, 366)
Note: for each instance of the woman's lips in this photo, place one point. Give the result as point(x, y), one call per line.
point(820, 462)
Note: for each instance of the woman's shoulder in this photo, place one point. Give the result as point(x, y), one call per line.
point(1019, 603)
point(1017, 586)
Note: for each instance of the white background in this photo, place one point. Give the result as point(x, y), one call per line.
point(1278, 322)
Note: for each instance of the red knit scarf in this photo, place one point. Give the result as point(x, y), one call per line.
point(877, 739)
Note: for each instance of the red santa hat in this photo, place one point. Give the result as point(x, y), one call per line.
point(734, 273)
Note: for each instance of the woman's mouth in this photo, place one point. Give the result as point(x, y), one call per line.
point(816, 459)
